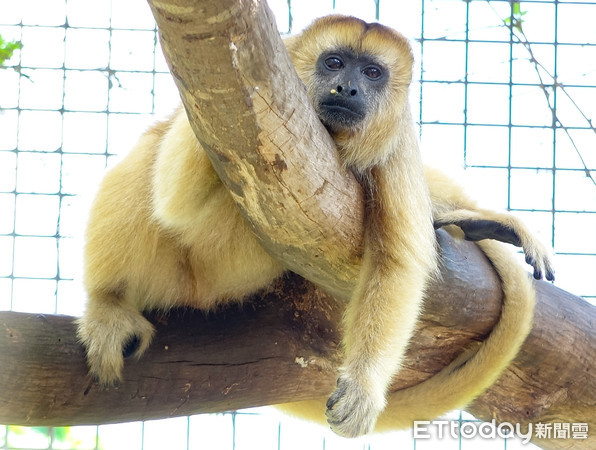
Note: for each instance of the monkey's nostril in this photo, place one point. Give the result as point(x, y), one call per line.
point(338, 88)
point(353, 92)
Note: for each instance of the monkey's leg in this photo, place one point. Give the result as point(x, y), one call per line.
point(453, 206)
point(110, 328)
point(481, 224)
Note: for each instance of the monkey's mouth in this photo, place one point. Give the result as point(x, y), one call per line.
point(339, 116)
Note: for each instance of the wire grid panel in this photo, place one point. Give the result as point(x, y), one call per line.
point(502, 93)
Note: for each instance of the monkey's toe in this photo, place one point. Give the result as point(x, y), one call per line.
point(106, 372)
point(541, 263)
point(537, 273)
point(131, 346)
point(106, 385)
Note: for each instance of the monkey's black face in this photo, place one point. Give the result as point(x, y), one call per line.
point(346, 87)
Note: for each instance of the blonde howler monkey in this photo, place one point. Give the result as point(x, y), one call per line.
point(165, 232)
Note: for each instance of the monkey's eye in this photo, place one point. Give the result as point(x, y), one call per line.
point(372, 72)
point(334, 63)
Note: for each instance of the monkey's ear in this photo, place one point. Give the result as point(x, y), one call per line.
point(290, 42)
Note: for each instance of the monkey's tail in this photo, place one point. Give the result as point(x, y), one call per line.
point(470, 374)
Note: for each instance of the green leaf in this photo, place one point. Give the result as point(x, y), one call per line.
point(516, 9)
point(7, 49)
point(516, 16)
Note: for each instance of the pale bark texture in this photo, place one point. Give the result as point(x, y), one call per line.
point(250, 111)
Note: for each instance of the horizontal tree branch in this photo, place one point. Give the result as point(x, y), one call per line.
point(282, 346)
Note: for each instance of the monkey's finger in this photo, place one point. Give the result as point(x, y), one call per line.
point(339, 392)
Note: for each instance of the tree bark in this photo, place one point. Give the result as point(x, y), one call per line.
point(552, 380)
point(249, 110)
point(254, 119)
point(282, 346)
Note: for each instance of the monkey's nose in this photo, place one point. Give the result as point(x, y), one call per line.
point(340, 88)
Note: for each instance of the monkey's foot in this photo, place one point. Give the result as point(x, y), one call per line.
point(505, 228)
point(108, 340)
point(351, 410)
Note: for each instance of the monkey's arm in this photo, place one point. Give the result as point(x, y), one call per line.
point(399, 259)
point(452, 206)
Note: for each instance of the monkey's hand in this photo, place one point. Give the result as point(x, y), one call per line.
point(352, 410)
point(479, 225)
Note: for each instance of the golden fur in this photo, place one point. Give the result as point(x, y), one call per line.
point(164, 232)
point(477, 368)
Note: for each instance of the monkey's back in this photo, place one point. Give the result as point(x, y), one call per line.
point(158, 238)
